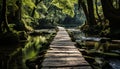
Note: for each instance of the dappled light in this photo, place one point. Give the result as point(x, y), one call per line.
point(59, 34)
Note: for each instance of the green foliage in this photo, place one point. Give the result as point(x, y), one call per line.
point(27, 8)
point(28, 3)
point(35, 43)
point(37, 15)
point(13, 4)
point(34, 46)
point(105, 29)
point(31, 48)
point(100, 10)
point(27, 24)
point(43, 7)
point(67, 6)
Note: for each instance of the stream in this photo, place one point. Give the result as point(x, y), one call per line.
point(115, 63)
point(80, 37)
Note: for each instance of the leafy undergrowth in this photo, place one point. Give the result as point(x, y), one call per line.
point(41, 45)
point(27, 52)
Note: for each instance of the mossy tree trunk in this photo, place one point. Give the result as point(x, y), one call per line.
point(100, 20)
point(19, 25)
point(119, 4)
point(19, 11)
point(3, 21)
point(91, 13)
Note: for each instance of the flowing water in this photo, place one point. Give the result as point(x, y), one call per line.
point(80, 37)
point(115, 63)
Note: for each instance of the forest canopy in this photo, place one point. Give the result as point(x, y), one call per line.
point(67, 6)
point(26, 15)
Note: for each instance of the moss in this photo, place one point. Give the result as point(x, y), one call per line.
point(39, 45)
point(102, 54)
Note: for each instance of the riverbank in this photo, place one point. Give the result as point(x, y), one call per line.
point(98, 51)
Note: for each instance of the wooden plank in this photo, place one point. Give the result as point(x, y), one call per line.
point(63, 54)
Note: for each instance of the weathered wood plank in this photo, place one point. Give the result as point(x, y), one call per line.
point(63, 54)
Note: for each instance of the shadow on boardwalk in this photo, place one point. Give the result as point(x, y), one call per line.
point(63, 54)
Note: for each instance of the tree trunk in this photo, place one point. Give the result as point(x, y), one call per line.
point(86, 12)
point(1, 24)
point(19, 11)
point(119, 4)
point(91, 13)
point(112, 15)
point(4, 17)
point(97, 11)
point(82, 4)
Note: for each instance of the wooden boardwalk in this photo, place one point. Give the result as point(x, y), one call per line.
point(63, 54)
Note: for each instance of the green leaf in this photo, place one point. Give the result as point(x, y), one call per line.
point(29, 3)
point(67, 6)
point(37, 15)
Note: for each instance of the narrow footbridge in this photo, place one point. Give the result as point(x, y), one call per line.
point(63, 54)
